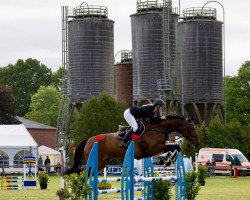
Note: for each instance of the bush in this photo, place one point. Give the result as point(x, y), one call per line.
point(43, 180)
point(62, 193)
point(193, 185)
point(162, 190)
point(202, 174)
point(105, 185)
point(76, 187)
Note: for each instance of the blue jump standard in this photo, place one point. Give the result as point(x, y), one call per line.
point(127, 179)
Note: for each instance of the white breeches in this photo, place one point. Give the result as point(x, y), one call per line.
point(130, 119)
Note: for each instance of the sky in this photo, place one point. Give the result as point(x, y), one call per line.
point(32, 28)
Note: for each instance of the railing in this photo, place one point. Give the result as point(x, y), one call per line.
point(90, 11)
point(212, 170)
point(147, 5)
point(126, 55)
point(200, 13)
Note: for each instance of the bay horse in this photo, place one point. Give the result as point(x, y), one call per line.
point(151, 143)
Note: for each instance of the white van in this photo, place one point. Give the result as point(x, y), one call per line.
point(223, 158)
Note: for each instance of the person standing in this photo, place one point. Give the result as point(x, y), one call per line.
point(40, 163)
point(47, 164)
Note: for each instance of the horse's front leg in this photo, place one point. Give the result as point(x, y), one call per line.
point(172, 151)
point(172, 147)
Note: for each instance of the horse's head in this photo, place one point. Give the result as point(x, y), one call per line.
point(189, 132)
point(185, 127)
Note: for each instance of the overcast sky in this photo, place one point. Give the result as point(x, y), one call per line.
point(32, 28)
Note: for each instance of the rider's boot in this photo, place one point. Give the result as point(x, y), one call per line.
point(124, 143)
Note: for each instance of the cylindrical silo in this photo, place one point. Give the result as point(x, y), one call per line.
point(201, 50)
point(90, 53)
point(124, 78)
point(150, 75)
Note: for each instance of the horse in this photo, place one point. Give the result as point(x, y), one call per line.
point(151, 143)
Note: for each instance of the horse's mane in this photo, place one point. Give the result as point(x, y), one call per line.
point(175, 117)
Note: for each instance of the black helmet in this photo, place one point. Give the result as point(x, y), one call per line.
point(159, 102)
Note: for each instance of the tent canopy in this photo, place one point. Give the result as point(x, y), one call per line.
point(16, 136)
point(46, 151)
point(55, 156)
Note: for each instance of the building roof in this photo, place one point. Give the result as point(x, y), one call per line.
point(32, 124)
point(15, 136)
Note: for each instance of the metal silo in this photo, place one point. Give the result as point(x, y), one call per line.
point(155, 70)
point(90, 52)
point(201, 50)
point(124, 78)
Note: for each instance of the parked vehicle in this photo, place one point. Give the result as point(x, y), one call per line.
point(223, 158)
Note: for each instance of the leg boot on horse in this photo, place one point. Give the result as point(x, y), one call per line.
point(124, 143)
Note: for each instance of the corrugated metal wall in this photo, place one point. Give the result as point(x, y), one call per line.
point(148, 55)
point(201, 50)
point(91, 57)
point(202, 60)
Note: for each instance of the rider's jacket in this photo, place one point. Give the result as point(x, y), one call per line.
point(144, 112)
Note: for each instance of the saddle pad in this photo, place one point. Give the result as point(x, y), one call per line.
point(123, 129)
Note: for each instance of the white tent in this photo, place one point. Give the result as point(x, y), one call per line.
point(15, 142)
point(54, 156)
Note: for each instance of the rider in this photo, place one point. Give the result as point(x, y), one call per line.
point(150, 111)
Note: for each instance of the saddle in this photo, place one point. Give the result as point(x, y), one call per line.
point(123, 129)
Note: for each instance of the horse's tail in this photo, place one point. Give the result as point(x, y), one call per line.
point(78, 157)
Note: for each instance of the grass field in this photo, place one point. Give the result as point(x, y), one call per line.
point(220, 187)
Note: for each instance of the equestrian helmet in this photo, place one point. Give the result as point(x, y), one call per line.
point(159, 102)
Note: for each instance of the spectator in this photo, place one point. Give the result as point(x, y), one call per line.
point(213, 164)
point(47, 164)
point(208, 166)
point(58, 168)
point(40, 164)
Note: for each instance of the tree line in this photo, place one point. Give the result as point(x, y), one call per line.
point(30, 89)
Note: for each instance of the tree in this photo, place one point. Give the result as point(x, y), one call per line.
point(237, 134)
point(217, 135)
point(98, 115)
point(25, 78)
point(58, 77)
point(7, 108)
point(44, 106)
point(238, 95)
point(188, 149)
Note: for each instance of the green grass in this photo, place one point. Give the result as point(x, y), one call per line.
point(34, 194)
point(225, 188)
point(220, 187)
